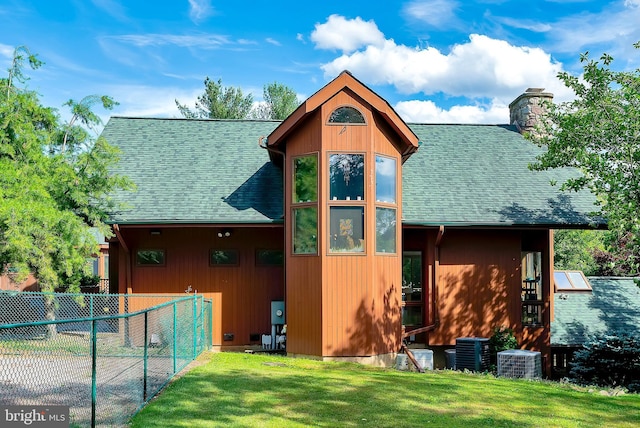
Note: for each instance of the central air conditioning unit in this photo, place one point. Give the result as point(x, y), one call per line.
point(520, 364)
point(472, 353)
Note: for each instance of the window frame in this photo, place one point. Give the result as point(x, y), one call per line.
point(346, 203)
point(364, 117)
point(160, 250)
point(573, 289)
point(223, 265)
point(260, 260)
point(302, 205)
point(532, 308)
point(387, 205)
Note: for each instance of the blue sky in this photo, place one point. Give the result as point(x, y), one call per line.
point(435, 61)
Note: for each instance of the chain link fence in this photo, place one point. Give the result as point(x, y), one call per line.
point(103, 355)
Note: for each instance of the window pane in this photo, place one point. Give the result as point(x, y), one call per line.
point(412, 277)
point(578, 281)
point(346, 229)
point(150, 257)
point(223, 257)
point(305, 172)
point(386, 230)
point(346, 175)
point(270, 257)
point(346, 115)
point(106, 267)
point(531, 275)
point(412, 315)
point(305, 230)
point(385, 179)
point(561, 280)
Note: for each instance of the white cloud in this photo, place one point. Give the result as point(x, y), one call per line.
point(347, 35)
point(273, 41)
point(615, 30)
point(436, 13)
point(482, 68)
point(300, 38)
point(199, 10)
point(525, 24)
point(418, 111)
point(112, 8)
point(149, 101)
point(206, 41)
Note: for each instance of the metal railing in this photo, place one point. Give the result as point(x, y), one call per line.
point(104, 356)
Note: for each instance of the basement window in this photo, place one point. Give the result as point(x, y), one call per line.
point(571, 280)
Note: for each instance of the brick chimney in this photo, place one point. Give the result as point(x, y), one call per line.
point(527, 110)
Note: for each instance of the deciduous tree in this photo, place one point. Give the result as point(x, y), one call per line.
point(599, 133)
point(219, 102)
point(55, 184)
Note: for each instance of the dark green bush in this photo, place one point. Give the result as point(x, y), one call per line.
point(609, 360)
point(502, 339)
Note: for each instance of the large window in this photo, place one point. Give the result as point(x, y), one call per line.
point(385, 179)
point(386, 209)
point(385, 230)
point(346, 203)
point(305, 204)
point(531, 288)
point(224, 258)
point(346, 176)
point(305, 230)
point(346, 229)
point(305, 173)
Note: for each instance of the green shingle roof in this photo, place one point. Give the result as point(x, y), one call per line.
point(614, 304)
point(213, 171)
point(479, 175)
point(196, 171)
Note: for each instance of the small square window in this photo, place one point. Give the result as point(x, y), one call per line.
point(150, 258)
point(224, 258)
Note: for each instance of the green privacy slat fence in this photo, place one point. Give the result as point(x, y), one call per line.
point(104, 356)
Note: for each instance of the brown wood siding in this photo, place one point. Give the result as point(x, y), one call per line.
point(361, 292)
point(242, 294)
point(303, 272)
point(478, 280)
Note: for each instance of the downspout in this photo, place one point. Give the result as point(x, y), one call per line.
point(261, 140)
point(434, 289)
point(127, 267)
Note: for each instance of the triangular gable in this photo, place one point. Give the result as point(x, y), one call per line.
point(408, 138)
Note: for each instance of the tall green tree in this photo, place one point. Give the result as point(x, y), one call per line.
point(599, 133)
point(55, 184)
point(279, 102)
point(219, 102)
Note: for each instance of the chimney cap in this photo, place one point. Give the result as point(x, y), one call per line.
point(534, 90)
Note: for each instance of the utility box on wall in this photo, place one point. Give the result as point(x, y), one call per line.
point(277, 312)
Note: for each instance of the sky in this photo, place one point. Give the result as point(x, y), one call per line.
point(434, 61)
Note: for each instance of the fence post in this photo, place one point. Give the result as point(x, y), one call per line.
point(175, 336)
point(203, 325)
point(94, 392)
point(146, 356)
point(195, 327)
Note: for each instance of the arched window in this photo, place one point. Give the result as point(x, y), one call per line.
point(346, 114)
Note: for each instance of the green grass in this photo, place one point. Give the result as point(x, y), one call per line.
point(230, 390)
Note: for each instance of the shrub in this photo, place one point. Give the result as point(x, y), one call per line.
point(503, 338)
point(609, 360)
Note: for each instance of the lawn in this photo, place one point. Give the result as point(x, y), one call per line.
point(234, 389)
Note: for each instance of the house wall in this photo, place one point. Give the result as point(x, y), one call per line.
point(241, 294)
point(478, 283)
point(29, 284)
